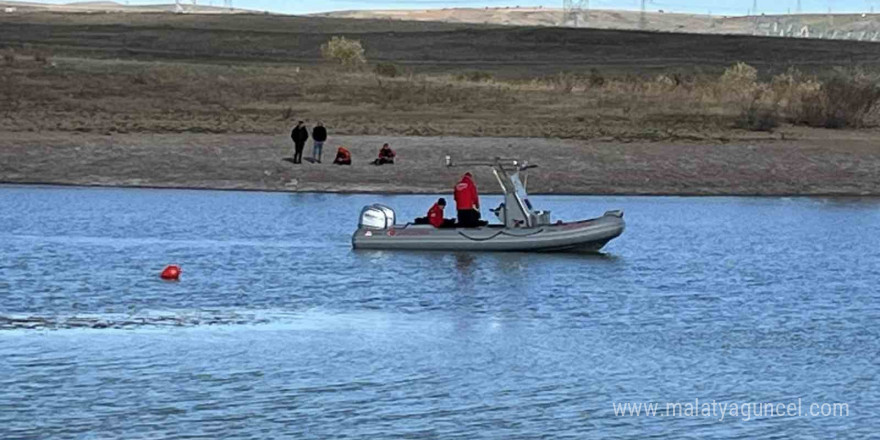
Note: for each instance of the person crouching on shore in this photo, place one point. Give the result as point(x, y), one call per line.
point(343, 156)
point(386, 155)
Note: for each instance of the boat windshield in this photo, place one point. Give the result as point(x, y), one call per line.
point(520, 190)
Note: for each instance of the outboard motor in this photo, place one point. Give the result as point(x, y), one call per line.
point(377, 216)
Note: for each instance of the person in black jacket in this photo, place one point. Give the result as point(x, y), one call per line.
point(319, 135)
point(299, 135)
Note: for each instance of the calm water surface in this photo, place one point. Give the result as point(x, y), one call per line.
point(278, 329)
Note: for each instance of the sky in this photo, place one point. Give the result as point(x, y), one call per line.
point(716, 7)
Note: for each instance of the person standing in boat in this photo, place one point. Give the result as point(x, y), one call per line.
point(467, 202)
point(319, 135)
point(299, 135)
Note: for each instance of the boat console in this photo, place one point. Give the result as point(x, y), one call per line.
point(516, 211)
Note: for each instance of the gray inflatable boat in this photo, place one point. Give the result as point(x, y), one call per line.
point(522, 228)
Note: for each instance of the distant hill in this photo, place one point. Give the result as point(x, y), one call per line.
point(843, 26)
point(863, 27)
point(109, 6)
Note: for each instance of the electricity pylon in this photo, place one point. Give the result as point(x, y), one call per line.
point(575, 12)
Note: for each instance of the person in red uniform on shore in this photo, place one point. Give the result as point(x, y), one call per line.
point(467, 202)
point(343, 156)
point(386, 155)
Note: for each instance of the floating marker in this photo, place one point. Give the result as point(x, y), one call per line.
point(171, 272)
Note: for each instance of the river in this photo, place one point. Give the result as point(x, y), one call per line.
point(278, 329)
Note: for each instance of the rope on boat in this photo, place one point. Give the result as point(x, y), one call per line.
point(500, 233)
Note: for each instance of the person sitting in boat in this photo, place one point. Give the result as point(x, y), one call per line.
point(435, 216)
point(386, 155)
point(467, 202)
point(343, 156)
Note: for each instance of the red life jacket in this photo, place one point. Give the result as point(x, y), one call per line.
point(343, 154)
point(466, 194)
point(435, 215)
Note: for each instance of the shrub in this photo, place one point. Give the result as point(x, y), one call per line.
point(790, 89)
point(757, 116)
point(41, 57)
point(387, 69)
point(9, 57)
point(474, 76)
point(348, 53)
point(596, 79)
point(846, 99)
point(666, 81)
point(564, 82)
point(739, 82)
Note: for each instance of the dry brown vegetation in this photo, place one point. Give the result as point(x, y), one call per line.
point(91, 95)
point(253, 74)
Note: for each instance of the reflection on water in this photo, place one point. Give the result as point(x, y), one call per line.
point(278, 329)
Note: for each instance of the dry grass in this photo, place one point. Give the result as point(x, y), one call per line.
point(254, 74)
point(75, 94)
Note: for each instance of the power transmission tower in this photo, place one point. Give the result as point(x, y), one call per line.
point(755, 7)
point(643, 20)
point(575, 11)
point(798, 10)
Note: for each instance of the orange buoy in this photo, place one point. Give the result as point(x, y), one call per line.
point(171, 272)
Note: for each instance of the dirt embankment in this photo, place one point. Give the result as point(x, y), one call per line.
point(761, 167)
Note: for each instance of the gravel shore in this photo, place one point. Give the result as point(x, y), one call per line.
point(848, 164)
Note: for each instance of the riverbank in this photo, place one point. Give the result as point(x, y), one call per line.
point(805, 162)
point(206, 101)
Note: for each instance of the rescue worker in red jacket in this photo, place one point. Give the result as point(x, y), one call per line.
point(386, 155)
point(467, 202)
point(435, 214)
point(343, 156)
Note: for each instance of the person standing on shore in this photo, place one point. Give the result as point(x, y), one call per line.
point(319, 135)
point(299, 135)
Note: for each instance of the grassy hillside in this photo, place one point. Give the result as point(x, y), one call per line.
point(435, 47)
point(253, 73)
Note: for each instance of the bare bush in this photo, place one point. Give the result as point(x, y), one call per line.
point(474, 76)
point(758, 115)
point(387, 69)
point(790, 89)
point(757, 107)
point(345, 52)
point(42, 57)
point(738, 83)
point(596, 79)
point(564, 82)
point(846, 99)
point(665, 81)
point(9, 57)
